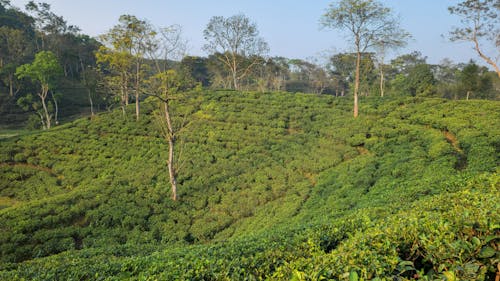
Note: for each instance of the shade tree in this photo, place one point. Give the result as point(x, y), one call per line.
point(52, 32)
point(16, 33)
point(44, 71)
point(14, 50)
point(123, 55)
point(394, 39)
point(165, 84)
point(236, 43)
point(367, 22)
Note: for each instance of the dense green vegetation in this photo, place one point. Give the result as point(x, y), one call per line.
point(189, 182)
point(115, 68)
point(271, 185)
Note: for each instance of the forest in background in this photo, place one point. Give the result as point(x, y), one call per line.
point(97, 74)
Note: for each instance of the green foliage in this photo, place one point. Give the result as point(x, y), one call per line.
point(420, 81)
point(45, 69)
point(273, 186)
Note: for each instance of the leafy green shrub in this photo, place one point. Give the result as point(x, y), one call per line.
point(274, 186)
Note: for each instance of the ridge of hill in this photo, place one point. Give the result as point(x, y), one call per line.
point(271, 185)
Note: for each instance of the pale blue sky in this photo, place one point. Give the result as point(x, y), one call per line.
point(291, 27)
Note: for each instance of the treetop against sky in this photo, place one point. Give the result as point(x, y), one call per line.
point(291, 28)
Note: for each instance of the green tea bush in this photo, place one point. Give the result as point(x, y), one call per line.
point(272, 186)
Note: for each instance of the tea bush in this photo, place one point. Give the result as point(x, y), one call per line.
point(272, 186)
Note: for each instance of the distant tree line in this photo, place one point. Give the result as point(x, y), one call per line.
point(123, 65)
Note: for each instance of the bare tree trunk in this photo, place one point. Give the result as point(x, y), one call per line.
point(171, 143)
point(92, 114)
point(171, 170)
point(467, 97)
point(356, 84)
point(56, 107)
point(11, 87)
point(122, 99)
point(137, 77)
point(235, 80)
point(234, 71)
point(137, 109)
point(41, 119)
point(125, 88)
point(43, 96)
point(382, 80)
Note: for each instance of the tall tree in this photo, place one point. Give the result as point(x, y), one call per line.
point(16, 37)
point(44, 70)
point(117, 65)
point(50, 28)
point(55, 34)
point(124, 51)
point(367, 22)
point(236, 42)
point(137, 34)
point(165, 84)
point(480, 21)
point(14, 48)
point(394, 39)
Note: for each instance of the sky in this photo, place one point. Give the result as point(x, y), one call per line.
point(290, 27)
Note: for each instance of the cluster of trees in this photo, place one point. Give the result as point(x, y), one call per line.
point(40, 55)
point(126, 63)
point(44, 61)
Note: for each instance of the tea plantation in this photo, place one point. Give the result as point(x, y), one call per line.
point(272, 186)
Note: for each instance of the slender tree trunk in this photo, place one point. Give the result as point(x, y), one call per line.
point(171, 143)
point(56, 107)
point(92, 114)
point(11, 86)
point(356, 83)
point(137, 86)
point(43, 96)
point(171, 171)
point(137, 109)
point(382, 80)
point(234, 70)
point(122, 99)
point(126, 92)
point(468, 94)
point(235, 80)
point(42, 119)
point(382, 83)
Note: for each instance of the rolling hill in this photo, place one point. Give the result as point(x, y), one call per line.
point(274, 186)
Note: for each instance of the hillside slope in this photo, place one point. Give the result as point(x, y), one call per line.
point(272, 186)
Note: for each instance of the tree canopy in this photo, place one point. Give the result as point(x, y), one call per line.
point(236, 43)
point(369, 24)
